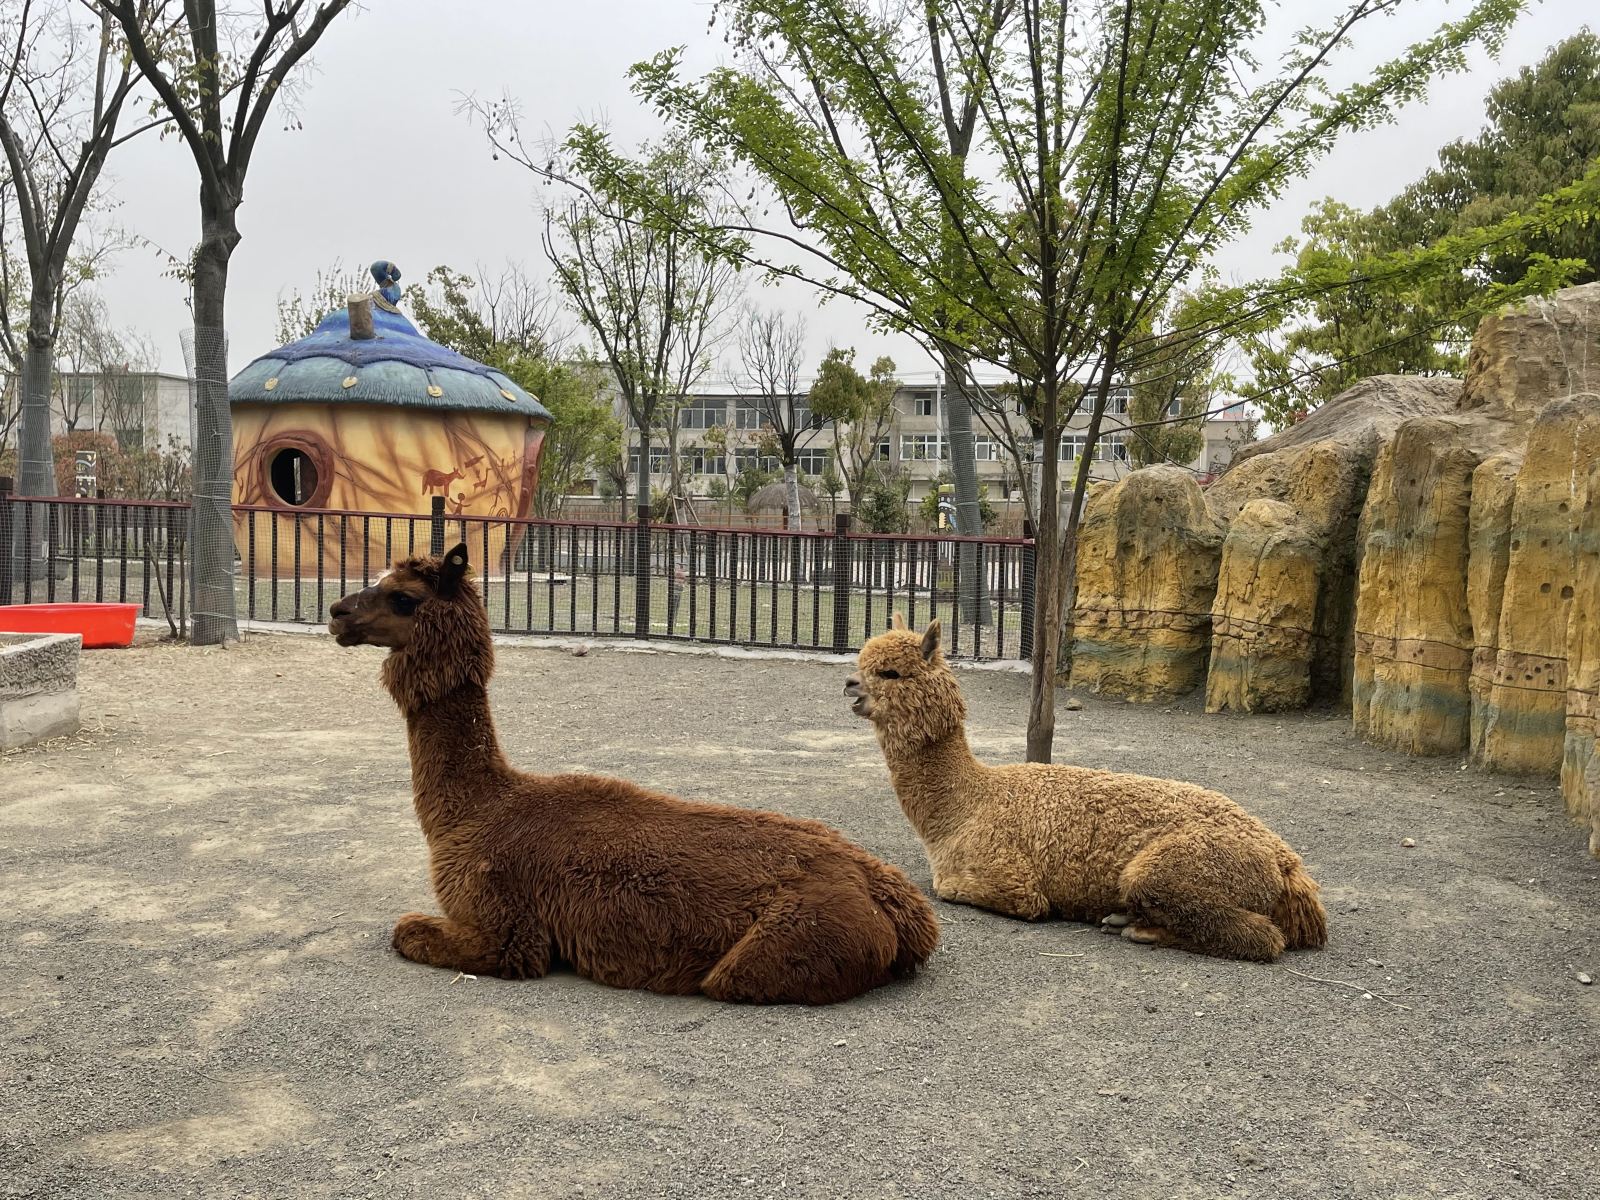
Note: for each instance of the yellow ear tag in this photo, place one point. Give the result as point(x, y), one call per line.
point(455, 560)
point(349, 381)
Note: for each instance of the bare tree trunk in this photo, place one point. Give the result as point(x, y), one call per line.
point(37, 474)
point(975, 608)
point(211, 549)
point(641, 483)
point(1047, 599)
point(791, 484)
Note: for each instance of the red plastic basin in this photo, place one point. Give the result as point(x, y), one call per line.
point(100, 624)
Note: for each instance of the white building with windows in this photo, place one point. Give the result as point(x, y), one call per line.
point(138, 408)
point(917, 442)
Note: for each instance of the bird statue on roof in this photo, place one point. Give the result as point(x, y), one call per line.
point(387, 276)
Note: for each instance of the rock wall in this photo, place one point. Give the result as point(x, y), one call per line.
point(1523, 710)
point(1580, 761)
point(1426, 549)
point(1494, 487)
point(1264, 616)
point(1147, 571)
point(1414, 633)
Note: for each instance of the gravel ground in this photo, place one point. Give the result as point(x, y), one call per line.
point(200, 1000)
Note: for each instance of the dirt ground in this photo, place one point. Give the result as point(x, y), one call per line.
point(199, 997)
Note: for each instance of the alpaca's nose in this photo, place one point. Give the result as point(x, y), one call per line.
point(852, 686)
point(341, 608)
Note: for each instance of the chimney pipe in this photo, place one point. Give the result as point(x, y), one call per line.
point(361, 327)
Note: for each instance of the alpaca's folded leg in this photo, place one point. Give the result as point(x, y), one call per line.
point(807, 950)
point(1184, 890)
point(441, 942)
point(1012, 892)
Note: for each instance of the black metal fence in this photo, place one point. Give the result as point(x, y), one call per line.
point(783, 589)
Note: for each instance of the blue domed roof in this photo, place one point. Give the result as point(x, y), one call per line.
point(398, 366)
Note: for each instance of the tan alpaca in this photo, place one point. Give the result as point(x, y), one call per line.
point(1170, 863)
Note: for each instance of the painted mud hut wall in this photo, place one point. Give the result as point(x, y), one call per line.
point(375, 422)
point(1425, 550)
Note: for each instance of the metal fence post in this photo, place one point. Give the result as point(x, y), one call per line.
point(641, 573)
point(436, 532)
point(1030, 568)
point(841, 583)
point(7, 540)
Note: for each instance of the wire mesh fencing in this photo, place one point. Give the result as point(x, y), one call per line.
point(780, 589)
point(212, 557)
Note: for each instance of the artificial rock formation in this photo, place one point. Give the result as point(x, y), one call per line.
point(1427, 548)
point(1523, 718)
point(1580, 761)
point(1264, 615)
point(1494, 487)
point(1148, 551)
point(1414, 630)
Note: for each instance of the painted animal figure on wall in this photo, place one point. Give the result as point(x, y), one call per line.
point(631, 887)
point(1165, 862)
point(440, 480)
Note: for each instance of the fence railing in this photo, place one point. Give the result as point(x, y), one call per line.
point(785, 589)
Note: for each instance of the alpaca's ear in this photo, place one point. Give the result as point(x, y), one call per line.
point(930, 640)
point(453, 570)
point(898, 621)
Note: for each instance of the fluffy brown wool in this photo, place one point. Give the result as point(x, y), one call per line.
point(630, 887)
point(1169, 863)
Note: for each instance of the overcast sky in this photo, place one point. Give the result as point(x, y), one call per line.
point(384, 167)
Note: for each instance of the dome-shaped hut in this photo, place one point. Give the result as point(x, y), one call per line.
point(366, 416)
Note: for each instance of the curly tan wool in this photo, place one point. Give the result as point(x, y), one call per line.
point(1170, 863)
point(630, 887)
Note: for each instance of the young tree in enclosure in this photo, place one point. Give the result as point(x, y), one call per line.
point(772, 351)
point(216, 73)
point(654, 299)
point(861, 408)
point(1121, 143)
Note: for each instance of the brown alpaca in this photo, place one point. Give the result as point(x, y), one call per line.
point(1167, 863)
point(630, 887)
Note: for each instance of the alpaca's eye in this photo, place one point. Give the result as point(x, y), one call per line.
point(889, 674)
point(403, 604)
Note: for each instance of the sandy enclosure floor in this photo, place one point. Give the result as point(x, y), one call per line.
point(199, 998)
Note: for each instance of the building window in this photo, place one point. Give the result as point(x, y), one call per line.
point(1175, 408)
point(922, 447)
point(660, 461)
point(703, 412)
point(985, 449)
point(708, 464)
point(811, 462)
point(753, 460)
point(747, 415)
point(922, 404)
point(881, 450)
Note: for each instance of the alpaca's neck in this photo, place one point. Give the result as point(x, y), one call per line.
point(934, 780)
point(455, 757)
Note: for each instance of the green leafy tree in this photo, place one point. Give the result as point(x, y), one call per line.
point(1120, 143)
point(885, 508)
point(1172, 386)
point(1542, 134)
point(861, 408)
